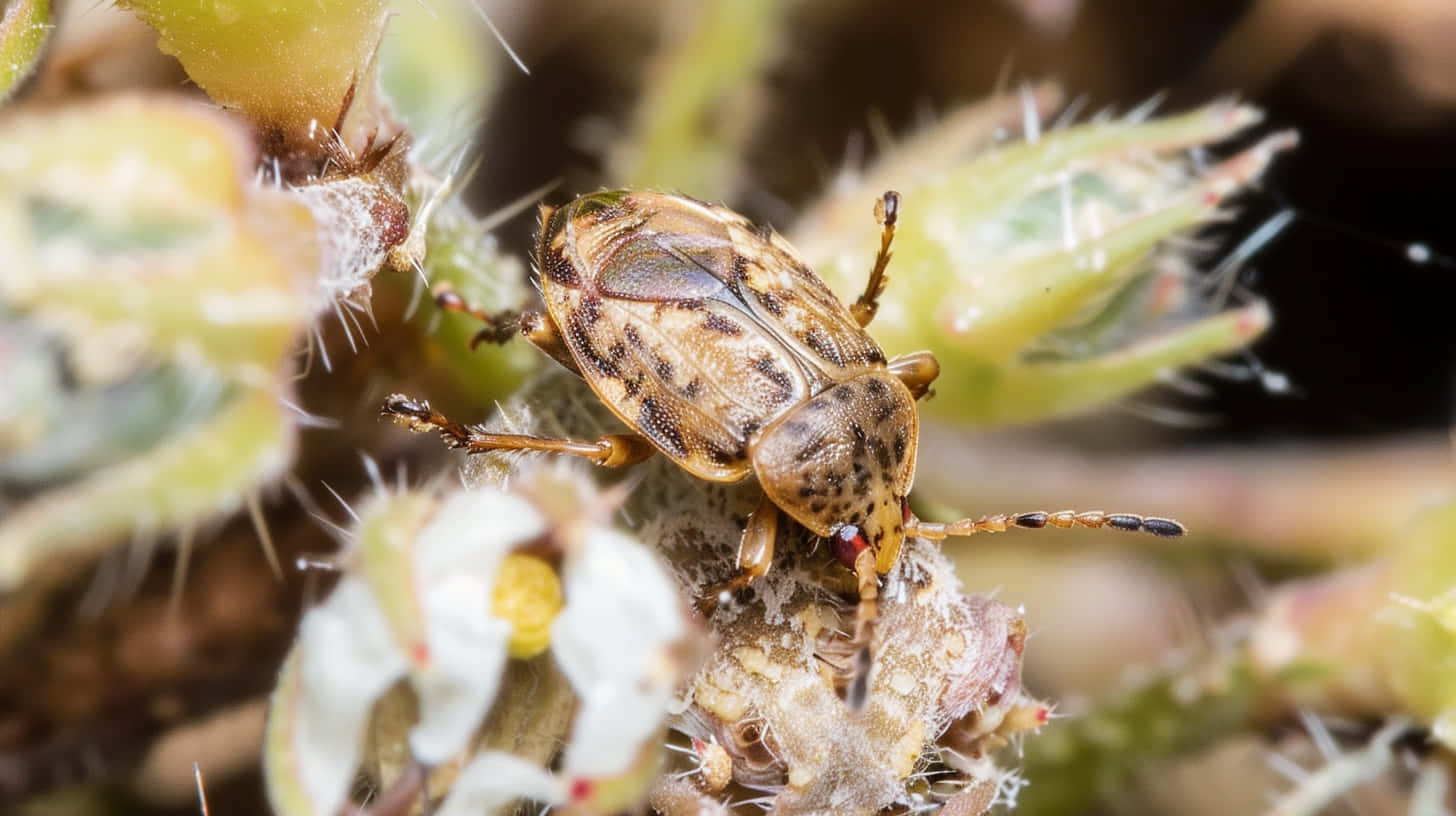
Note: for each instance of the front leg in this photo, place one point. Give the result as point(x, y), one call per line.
point(610, 450)
point(534, 325)
point(755, 553)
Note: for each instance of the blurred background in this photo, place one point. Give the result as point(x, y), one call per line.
point(1311, 453)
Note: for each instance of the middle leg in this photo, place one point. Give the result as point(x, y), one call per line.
point(755, 553)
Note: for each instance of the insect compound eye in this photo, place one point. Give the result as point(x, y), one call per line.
point(905, 510)
point(849, 542)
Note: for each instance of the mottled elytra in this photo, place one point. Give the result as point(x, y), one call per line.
point(719, 347)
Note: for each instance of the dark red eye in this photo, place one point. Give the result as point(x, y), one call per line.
point(905, 510)
point(848, 543)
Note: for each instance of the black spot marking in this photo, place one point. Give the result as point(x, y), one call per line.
point(661, 427)
point(582, 344)
point(844, 393)
point(634, 337)
point(817, 506)
point(740, 268)
point(859, 442)
point(884, 407)
point(555, 266)
point(806, 491)
point(817, 340)
point(618, 352)
point(718, 455)
point(693, 389)
point(717, 323)
point(663, 369)
point(900, 446)
point(590, 309)
point(778, 376)
point(633, 385)
point(882, 453)
point(773, 302)
point(810, 450)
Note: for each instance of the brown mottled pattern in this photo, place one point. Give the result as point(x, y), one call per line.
point(697, 393)
point(844, 456)
point(700, 330)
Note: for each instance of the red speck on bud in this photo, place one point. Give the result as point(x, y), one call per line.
point(699, 746)
point(1043, 715)
point(1244, 324)
point(580, 789)
point(420, 653)
point(1211, 198)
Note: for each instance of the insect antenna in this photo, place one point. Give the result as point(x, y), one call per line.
point(1040, 519)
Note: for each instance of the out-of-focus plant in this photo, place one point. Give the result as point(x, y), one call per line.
point(23, 29)
point(293, 69)
point(436, 595)
point(1032, 269)
point(691, 125)
point(135, 263)
point(502, 640)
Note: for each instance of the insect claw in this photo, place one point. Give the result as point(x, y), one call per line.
point(416, 415)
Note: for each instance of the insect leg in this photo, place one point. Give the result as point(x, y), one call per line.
point(541, 332)
point(887, 212)
point(917, 370)
point(755, 552)
point(1127, 522)
point(609, 450)
point(866, 615)
point(499, 327)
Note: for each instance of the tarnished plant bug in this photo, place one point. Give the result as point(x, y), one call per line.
point(719, 347)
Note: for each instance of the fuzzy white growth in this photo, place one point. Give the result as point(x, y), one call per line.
point(354, 242)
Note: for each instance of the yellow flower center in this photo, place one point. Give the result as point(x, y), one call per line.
point(528, 596)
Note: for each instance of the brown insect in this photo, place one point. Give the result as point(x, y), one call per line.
point(720, 348)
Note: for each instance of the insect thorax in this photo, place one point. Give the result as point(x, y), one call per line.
point(845, 456)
